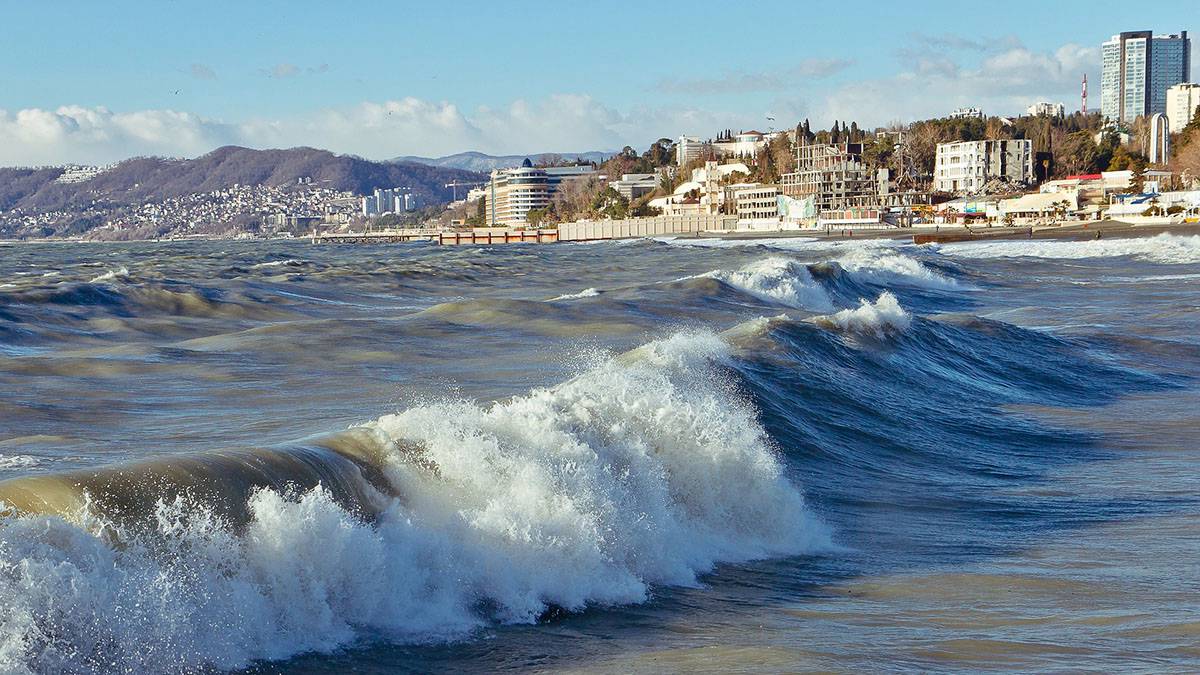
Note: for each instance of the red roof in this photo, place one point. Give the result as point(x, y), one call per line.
point(1085, 176)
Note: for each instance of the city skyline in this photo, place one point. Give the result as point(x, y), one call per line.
point(93, 85)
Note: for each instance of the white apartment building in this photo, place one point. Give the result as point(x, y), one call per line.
point(1137, 69)
point(689, 148)
point(1047, 109)
point(966, 167)
point(757, 203)
point(966, 113)
point(1182, 101)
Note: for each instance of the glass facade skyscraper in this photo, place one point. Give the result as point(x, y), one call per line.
point(1137, 68)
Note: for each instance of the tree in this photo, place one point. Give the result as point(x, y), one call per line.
point(1077, 154)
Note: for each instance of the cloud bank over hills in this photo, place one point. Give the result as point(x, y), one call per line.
point(934, 75)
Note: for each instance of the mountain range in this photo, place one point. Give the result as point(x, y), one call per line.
point(483, 163)
point(145, 179)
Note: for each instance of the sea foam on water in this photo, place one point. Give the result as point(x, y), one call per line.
point(646, 470)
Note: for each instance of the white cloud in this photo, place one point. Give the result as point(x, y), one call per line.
point(1004, 82)
point(376, 130)
point(96, 135)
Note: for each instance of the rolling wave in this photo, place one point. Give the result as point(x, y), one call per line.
point(424, 525)
point(1166, 249)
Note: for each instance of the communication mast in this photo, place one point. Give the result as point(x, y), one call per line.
point(1083, 96)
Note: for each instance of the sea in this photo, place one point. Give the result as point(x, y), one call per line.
point(680, 455)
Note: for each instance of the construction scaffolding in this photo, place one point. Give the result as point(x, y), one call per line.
point(844, 189)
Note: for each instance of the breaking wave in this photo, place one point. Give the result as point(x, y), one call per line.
point(585, 293)
point(111, 275)
point(778, 280)
point(883, 266)
point(879, 318)
point(645, 470)
point(1168, 249)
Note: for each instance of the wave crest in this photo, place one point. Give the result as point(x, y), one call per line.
point(647, 469)
point(778, 280)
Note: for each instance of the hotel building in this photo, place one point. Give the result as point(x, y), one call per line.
point(513, 193)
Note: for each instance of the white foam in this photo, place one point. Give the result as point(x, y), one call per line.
point(878, 318)
point(585, 293)
point(18, 461)
point(112, 275)
point(643, 471)
point(886, 265)
point(714, 242)
point(778, 280)
point(1164, 248)
point(275, 263)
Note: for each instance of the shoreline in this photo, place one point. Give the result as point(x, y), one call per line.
point(1075, 231)
point(954, 233)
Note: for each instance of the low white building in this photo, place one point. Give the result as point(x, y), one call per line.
point(1047, 109)
point(967, 166)
point(634, 185)
point(757, 205)
point(966, 113)
point(1182, 101)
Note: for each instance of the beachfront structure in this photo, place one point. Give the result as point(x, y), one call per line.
point(704, 192)
point(1182, 101)
point(1046, 109)
point(966, 113)
point(1137, 69)
point(967, 166)
point(834, 177)
point(757, 204)
point(634, 185)
point(513, 193)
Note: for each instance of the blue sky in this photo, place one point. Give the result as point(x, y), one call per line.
point(94, 82)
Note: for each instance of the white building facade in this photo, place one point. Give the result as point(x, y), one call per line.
point(1046, 109)
point(1182, 101)
point(966, 167)
point(1137, 69)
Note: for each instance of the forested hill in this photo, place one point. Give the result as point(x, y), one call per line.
point(148, 179)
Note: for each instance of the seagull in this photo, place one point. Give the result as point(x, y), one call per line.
point(176, 92)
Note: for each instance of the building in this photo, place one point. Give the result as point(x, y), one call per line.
point(1182, 101)
point(1137, 69)
point(757, 204)
point(834, 177)
point(1046, 109)
point(966, 167)
point(513, 193)
point(745, 145)
point(689, 149)
point(634, 185)
point(966, 113)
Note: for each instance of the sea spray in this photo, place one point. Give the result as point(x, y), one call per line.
point(778, 280)
point(1167, 249)
point(879, 318)
point(645, 470)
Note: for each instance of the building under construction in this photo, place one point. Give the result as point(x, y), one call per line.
point(843, 190)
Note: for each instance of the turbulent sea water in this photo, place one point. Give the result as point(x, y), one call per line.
point(689, 455)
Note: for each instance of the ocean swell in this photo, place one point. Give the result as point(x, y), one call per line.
point(645, 470)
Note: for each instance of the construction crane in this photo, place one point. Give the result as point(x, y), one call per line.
point(455, 185)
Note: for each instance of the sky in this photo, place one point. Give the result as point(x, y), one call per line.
point(97, 82)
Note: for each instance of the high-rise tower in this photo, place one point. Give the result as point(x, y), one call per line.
point(1137, 68)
